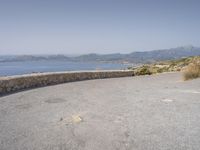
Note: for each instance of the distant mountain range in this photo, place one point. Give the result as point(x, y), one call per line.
point(134, 57)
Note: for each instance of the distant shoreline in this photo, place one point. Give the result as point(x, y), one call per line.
point(134, 57)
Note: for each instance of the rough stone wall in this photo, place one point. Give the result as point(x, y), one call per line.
point(16, 83)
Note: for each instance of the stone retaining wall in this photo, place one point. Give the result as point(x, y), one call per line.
point(16, 83)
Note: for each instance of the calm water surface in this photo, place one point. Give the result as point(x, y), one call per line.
point(18, 68)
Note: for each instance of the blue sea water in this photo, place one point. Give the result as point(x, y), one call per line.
point(25, 67)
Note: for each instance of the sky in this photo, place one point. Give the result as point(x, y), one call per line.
point(97, 26)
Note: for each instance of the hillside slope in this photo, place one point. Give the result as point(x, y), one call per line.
point(168, 66)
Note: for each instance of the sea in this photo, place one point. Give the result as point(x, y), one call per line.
point(27, 67)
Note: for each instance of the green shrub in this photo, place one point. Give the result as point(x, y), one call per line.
point(144, 70)
point(164, 69)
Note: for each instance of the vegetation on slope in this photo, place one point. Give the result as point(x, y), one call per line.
point(190, 66)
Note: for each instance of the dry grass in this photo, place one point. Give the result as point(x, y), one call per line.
point(192, 71)
point(190, 66)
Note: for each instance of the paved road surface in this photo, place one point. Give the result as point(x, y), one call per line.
point(159, 112)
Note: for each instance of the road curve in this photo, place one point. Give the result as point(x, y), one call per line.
point(158, 112)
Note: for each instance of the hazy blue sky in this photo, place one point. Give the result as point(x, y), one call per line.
point(100, 26)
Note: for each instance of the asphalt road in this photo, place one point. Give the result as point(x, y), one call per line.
point(158, 112)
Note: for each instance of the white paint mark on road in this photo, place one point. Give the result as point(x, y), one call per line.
point(191, 91)
point(167, 100)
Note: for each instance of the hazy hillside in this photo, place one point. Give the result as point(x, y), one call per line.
point(134, 57)
point(147, 56)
